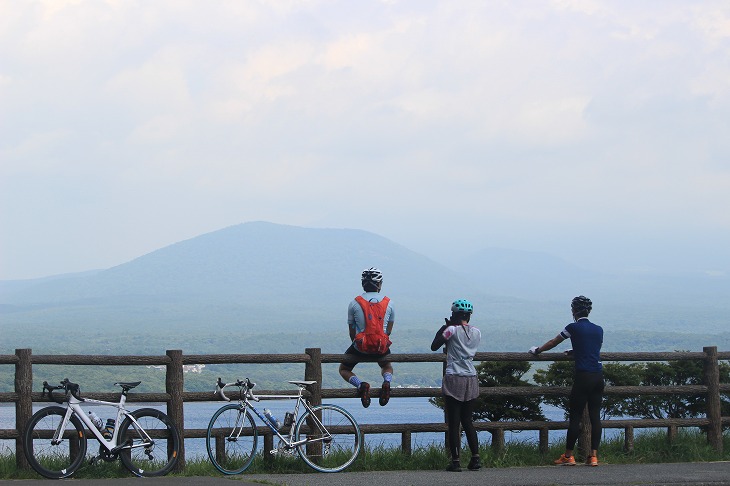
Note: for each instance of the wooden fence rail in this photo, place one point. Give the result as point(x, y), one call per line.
point(313, 359)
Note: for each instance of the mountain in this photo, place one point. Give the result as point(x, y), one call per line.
point(269, 274)
point(264, 287)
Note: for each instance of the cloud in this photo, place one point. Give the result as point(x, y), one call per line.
point(519, 117)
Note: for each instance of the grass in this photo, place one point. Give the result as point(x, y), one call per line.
point(649, 447)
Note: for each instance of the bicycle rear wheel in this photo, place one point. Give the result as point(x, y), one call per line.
point(49, 459)
point(333, 438)
point(150, 449)
point(231, 439)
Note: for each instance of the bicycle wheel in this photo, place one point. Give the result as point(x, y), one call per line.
point(333, 438)
point(54, 460)
point(231, 439)
point(150, 449)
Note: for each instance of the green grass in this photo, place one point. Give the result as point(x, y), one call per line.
point(649, 447)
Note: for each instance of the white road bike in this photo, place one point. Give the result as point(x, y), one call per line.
point(326, 437)
point(55, 438)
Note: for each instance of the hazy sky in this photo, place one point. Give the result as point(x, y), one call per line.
point(598, 131)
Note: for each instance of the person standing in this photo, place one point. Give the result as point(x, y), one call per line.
point(588, 384)
point(460, 385)
point(370, 318)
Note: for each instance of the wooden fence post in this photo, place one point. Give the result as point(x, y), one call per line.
point(24, 405)
point(584, 439)
point(628, 439)
point(711, 377)
point(672, 432)
point(313, 372)
point(544, 441)
point(498, 441)
point(174, 384)
point(406, 443)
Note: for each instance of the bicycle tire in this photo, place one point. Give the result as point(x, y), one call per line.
point(54, 461)
point(337, 452)
point(230, 449)
point(157, 458)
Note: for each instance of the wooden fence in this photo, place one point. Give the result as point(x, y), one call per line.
point(313, 359)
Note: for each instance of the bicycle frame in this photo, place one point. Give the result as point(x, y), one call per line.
point(73, 406)
point(288, 442)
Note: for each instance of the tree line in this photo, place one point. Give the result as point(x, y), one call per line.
point(560, 374)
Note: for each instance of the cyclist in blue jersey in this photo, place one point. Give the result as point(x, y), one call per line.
point(372, 282)
point(587, 339)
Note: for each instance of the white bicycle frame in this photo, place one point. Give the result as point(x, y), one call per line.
point(73, 406)
point(244, 402)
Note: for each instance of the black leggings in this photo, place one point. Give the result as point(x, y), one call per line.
point(587, 389)
point(460, 413)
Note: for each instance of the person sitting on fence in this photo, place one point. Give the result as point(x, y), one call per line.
point(370, 318)
point(460, 385)
point(587, 339)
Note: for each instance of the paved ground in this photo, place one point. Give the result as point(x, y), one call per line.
point(708, 473)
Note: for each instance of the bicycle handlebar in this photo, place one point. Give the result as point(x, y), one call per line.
point(245, 387)
point(65, 385)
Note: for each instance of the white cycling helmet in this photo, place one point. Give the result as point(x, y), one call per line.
point(372, 274)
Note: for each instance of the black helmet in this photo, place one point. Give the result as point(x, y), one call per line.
point(581, 305)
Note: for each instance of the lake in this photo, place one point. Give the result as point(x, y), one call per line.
point(398, 410)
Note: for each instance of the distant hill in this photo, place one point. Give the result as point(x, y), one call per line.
point(267, 275)
point(228, 288)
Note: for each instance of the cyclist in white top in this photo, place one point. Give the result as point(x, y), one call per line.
point(460, 385)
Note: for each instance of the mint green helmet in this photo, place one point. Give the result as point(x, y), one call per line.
point(462, 305)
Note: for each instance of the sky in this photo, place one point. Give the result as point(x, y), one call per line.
point(596, 131)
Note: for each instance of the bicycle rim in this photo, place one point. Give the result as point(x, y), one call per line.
point(231, 439)
point(145, 457)
point(333, 441)
point(54, 461)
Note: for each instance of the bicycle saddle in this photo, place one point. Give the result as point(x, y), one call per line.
point(302, 383)
point(128, 385)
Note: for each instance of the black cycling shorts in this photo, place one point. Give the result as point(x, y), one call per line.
point(364, 356)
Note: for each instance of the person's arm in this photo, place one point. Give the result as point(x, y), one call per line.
point(391, 321)
point(351, 321)
point(548, 345)
point(439, 340)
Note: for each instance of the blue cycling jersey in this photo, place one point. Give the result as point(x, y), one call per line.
point(587, 339)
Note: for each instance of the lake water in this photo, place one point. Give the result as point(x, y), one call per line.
point(398, 410)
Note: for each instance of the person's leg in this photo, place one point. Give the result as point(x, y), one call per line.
point(467, 423)
point(386, 369)
point(363, 387)
point(595, 398)
point(577, 403)
point(346, 372)
point(453, 414)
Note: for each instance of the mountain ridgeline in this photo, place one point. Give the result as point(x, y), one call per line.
point(252, 280)
point(259, 275)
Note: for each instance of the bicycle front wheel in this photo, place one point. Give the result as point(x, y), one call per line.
point(333, 438)
point(231, 439)
point(150, 448)
point(54, 459)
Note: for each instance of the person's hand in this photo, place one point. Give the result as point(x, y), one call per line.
point(534, 350)
point(568, 352)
